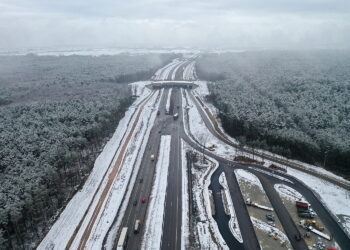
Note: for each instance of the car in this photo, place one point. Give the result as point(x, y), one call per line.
point(143, 200)
point(152, 157)
point(134, 203)
point(297, 237)
point(141, 180)
point(271, 223)
point(270, 217)
point(211, 149)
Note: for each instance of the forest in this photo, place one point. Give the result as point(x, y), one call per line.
point(293, 103)
point(56, 115)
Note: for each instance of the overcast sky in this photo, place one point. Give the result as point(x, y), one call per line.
point(219, 24)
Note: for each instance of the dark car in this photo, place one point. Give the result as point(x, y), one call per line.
point(270, 217)
point(135, 202)
point(141, 180)
point(297, 237)
point(143, 200)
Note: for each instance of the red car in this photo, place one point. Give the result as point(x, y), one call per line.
point(143, 200)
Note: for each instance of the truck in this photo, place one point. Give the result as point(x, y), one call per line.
point(123, 239)
point(301, 204)
point(137, 226)
point(175, 116)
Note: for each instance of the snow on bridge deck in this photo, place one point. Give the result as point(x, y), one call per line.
point(170, 84)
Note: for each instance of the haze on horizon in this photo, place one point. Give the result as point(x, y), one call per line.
point(221, 24)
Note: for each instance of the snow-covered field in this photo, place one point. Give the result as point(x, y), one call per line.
point(155, 215)
point(233, 223)
point(64, 228)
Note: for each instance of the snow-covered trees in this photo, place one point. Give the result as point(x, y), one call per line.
point(293, 103)
point(60, 112)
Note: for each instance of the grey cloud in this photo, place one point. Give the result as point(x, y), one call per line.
point(164, 23)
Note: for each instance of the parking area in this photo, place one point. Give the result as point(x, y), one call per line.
point(305, 218)
point(266, 224)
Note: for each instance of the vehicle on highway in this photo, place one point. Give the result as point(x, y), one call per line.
point(152, 157)
point(137, 226)
point(134, 203)
point(297, 237)
point(158, 112)
point(123, 239)
point(141, 180)
point(143, 200)
point(176, 115)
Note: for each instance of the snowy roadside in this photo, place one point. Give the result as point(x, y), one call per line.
point(185, 200)
point(189, 71)
point(155, 213)
point(233, 223)
point(69, 219)
point(167, 106)
point(162, 72)
point(243, 175)
point(112, 235)
point(205, 229)
point(289, 193)
point(196, 129)
point(126, 177)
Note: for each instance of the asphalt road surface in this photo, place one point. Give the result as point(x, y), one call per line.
point(171, 236)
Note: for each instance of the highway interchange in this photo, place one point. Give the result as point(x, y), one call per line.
point(165, 125)
point(95, 227)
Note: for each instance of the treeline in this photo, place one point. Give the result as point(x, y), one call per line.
point(51, 133)
point(292, 103)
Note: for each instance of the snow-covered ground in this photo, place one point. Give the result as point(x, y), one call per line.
point(167, 106)
point(289, 193)
point(196, 128)
point(189, 72)
point(272, 174)
point(163, 73)
point(202, 91)
point(233, 223)
point(64, 227)
point(269, 229)
point(93, 51)
point(155, 215)
point(336, 199)
point(207, 232)
point(185, 202)
point(243, 175)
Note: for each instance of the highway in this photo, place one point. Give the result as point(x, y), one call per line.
point(171, 233)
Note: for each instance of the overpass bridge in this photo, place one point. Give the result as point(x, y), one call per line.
point(172, 84)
